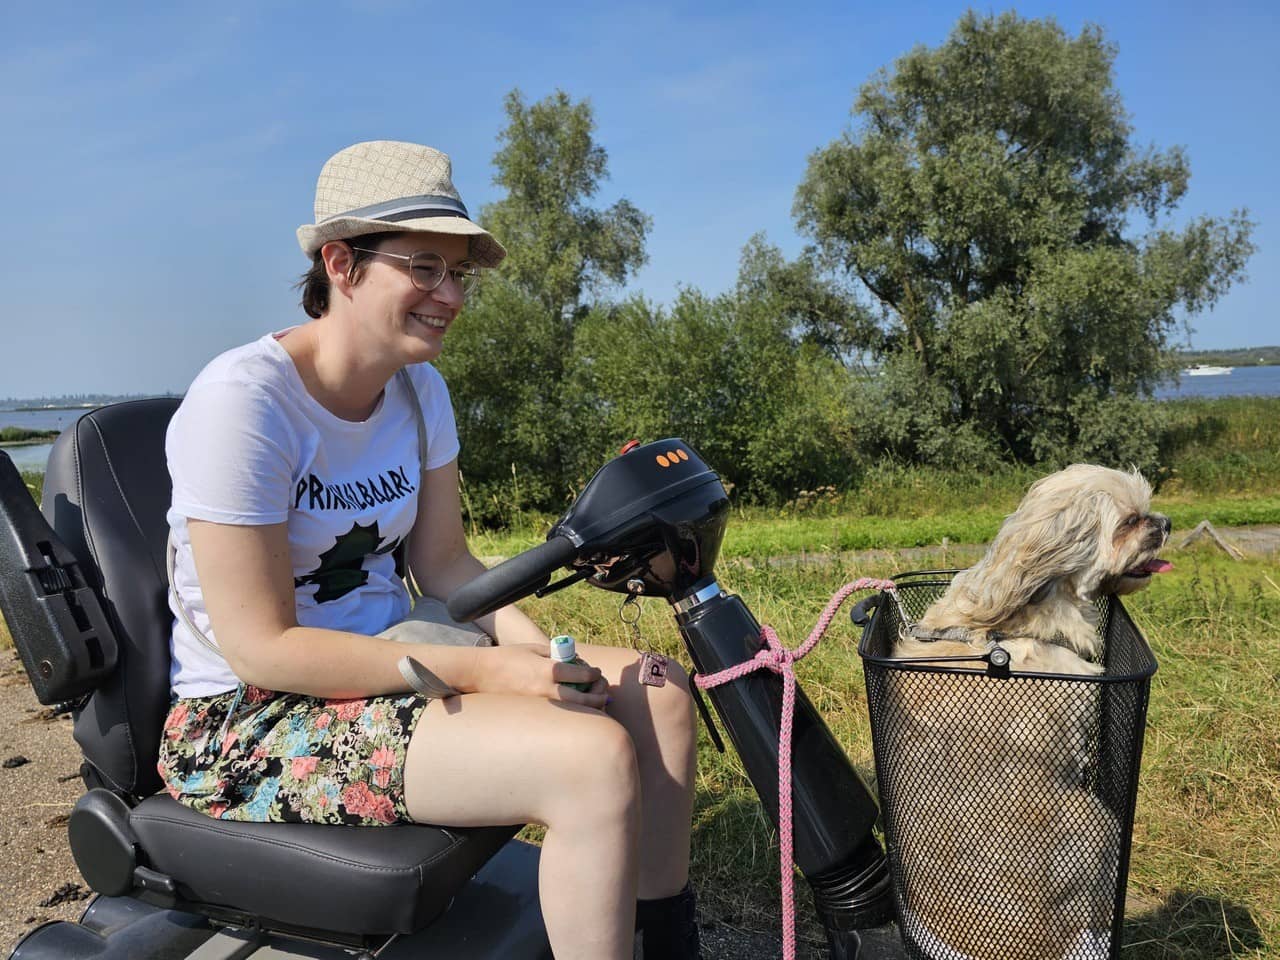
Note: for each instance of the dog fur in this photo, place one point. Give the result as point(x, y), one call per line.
point(1080, 533)
point(1010, 865)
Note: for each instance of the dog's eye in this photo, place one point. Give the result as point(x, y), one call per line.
point(1132, 520)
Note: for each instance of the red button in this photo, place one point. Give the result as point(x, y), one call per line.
point(628, 446)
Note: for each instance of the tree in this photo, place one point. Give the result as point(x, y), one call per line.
point(727, 375)
point(818, 310)
point(506, 359)
point(983, 202)
point(560, 246)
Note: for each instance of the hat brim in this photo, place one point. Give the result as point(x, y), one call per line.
point(485, 250)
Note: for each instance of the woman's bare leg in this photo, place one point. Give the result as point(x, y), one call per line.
point(662, 726)
point(485, 759)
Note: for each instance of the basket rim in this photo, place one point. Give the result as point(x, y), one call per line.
point(920, 578)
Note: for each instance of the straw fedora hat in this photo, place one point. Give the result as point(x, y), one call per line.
point(385, 186)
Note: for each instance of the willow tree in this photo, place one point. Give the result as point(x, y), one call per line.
point(1018, 246)
point(562, 247)
point(505, 360)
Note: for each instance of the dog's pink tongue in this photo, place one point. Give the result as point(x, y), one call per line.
point(1157, 566)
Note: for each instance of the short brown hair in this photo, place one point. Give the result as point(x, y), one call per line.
point(314, 284)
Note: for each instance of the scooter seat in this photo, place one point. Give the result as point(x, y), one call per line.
point(357, 880)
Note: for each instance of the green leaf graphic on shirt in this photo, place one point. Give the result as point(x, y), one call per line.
point(341, 568)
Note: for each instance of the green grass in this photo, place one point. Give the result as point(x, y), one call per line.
point(757, 532)
point(19, 435)
point(1207, 838)
point(1205, 874)
point(1228, 446)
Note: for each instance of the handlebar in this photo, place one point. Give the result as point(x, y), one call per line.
point(510, 580)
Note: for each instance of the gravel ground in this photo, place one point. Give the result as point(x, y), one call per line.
point(40, 880)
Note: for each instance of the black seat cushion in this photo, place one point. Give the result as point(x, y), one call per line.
point(352, 880)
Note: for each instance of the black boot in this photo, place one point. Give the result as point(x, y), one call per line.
point(667, 929)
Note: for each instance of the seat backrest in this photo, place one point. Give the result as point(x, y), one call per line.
point(106, 491)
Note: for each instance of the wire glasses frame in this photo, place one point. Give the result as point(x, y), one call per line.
point(428, 270)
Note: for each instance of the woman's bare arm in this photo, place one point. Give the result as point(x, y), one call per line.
point(247, 582)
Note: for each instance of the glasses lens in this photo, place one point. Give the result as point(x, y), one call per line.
point(467, 274)
point(426, 270)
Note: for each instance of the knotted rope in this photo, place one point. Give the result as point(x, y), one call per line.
point(774, 656)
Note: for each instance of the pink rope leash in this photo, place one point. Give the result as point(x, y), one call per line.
point(774, 656)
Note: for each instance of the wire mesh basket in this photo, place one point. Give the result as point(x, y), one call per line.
point(1007, 797)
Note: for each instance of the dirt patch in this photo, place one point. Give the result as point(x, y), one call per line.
point(35, 800)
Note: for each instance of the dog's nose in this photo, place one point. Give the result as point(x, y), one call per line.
point(1165, 523)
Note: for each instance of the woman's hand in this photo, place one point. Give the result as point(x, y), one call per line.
point(526, 669)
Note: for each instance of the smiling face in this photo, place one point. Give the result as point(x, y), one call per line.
point(411, 323)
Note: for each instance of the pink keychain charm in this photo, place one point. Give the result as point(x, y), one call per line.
point(653, 669)
point(653, 666)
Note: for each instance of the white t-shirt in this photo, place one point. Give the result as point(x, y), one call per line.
point(249, 445)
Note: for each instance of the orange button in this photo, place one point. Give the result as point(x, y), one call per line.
point(662, 461)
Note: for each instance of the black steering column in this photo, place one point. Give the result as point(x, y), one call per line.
point(652, 521)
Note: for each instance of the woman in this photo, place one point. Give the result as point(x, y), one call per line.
point(300, 464)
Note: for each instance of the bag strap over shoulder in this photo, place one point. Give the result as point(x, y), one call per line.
point(416, 404)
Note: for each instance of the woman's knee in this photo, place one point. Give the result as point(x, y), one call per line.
point(595, 763)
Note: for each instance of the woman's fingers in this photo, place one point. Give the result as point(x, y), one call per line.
point(597, 701)
point(575, 673)
point(597, 693)
point(527, 669)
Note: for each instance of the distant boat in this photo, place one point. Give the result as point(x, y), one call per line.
point(1206, 370)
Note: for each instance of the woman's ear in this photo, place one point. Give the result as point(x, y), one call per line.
point(339, 264)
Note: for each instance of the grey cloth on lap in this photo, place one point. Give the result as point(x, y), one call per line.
point(429, 622)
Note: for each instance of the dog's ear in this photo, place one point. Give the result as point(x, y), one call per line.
point(1047, 539)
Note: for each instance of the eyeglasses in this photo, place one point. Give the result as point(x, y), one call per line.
point(428, 270)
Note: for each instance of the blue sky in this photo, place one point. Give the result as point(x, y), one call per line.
point(160, 156)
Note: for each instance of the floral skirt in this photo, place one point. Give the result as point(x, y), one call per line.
point(286, 757)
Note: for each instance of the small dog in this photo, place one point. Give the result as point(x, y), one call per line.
point(1011, 861)
point(1078, 534)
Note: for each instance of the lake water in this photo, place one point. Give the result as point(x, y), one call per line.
point(1240, 382)
point(36, 455)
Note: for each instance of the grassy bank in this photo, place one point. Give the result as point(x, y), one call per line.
point(1205, 876)
point(20, 436)
point(1222, 461)
point(754, 533)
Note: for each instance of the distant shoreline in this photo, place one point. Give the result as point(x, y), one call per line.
point(54, 406)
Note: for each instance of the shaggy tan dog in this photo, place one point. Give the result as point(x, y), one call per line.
point(1080, 533)
point(1013, 851)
